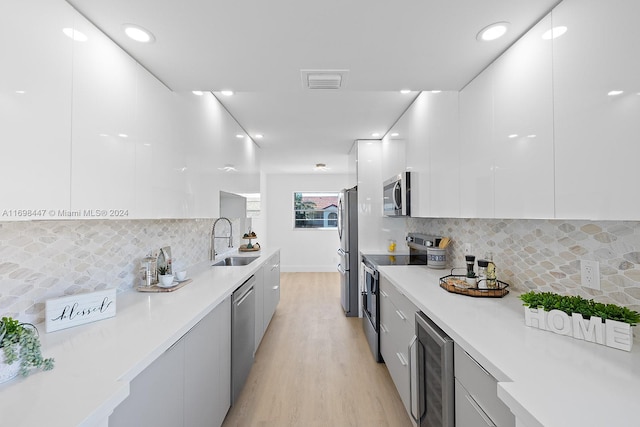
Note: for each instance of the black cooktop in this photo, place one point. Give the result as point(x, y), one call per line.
point(389, 259)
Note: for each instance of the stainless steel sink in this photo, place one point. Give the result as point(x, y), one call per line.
point(234, 261)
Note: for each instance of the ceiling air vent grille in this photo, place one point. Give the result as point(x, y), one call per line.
point(324, 79)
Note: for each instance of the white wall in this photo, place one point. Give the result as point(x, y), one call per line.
point(300, 250)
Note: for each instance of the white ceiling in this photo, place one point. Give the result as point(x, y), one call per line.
point(257, 48)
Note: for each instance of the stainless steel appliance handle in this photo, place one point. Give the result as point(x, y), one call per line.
point(371, 271)
point(244, 297)
point(396, 205)
point(432, 332)
point(341, 270)
point(411, 344)
point(341, 252)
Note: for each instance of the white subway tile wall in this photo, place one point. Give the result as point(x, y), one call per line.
point(47, 259)
point(544, 255)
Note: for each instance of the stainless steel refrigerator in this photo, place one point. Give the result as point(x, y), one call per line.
point(348, 251)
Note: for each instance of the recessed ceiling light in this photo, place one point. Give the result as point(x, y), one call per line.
point(436, 91)
point(321, 167)
point(493, 31)
point(513, 135)
point(615, 92)
point(405, 91)
point(227, 92)
point(258, 136)
point(239, 136)
point(75, 34)
point(375, 135)
point(197, 92)
point(123, 135)
point(139, 34)
point(554, 33)
point(395, 134)
point(20, 92)
point(531, 136)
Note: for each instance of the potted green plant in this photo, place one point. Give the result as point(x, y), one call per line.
point(164, 276)
point(586, 319)
point(20, 347)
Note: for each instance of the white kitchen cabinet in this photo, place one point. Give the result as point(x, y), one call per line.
point(394, 157)
point(596, 132)
point(156, 395)
point(430, 128)
point(207, 369)
point(35, 108)
point(271, 287)
point(258, 287)
point(188, 385)
point(477, 402)
point(103, 124)
point(523, 127)
point(397, 330)
point(477, 148)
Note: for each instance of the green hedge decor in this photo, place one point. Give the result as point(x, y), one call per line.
point(576, 304)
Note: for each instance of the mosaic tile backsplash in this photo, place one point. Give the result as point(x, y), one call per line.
point(47, 259)
point(544, 255)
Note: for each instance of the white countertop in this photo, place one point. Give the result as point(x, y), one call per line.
point(545, 379)
point(95, 362)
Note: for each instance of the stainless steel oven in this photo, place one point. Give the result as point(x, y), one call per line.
point(432, 380)
point(370, 308)
point(396, 192)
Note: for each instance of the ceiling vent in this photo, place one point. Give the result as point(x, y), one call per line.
point(324, 79)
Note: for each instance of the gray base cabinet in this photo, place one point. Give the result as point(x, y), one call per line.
point(271, 287)
point(188, 385)
point(397, 329)
point(477, 402)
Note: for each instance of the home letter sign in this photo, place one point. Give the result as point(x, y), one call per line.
point(74, 310)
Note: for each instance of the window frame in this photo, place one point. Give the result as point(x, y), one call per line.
point(326, 218)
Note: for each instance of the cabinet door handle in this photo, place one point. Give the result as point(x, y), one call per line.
point(383, 293)
point(401, 315)
point(383, 328)
point(403, 361)
point(480, 412)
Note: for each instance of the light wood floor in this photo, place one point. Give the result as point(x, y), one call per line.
point(314, 367)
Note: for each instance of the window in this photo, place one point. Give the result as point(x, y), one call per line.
point(315, 210)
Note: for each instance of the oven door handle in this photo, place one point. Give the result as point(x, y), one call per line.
point(371, 271)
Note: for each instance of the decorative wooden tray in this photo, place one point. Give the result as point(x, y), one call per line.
point(156, 288)
point(241, 249)
point(454, 283)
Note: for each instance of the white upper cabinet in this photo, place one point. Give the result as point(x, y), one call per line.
point(103, 124)
point(523, 127)
point(596, 69)
point(429, 129)
point(393, 156)
point(477, 148)
point(35, 109)
point(444, 154)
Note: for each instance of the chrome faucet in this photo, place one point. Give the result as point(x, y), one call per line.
point(212, 252)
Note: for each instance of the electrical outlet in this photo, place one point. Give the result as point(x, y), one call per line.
point(590, 274)
point(467, 248)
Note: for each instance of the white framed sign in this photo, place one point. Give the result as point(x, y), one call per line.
point(74, 310)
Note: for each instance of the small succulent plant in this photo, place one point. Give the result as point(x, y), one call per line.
point(20, 342)
point(163, 270)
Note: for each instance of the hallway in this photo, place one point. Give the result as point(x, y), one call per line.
point(314, 367)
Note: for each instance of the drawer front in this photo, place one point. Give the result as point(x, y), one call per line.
point(468, 412)
point(482, 387)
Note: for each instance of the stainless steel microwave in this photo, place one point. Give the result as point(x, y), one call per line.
point(396, 193)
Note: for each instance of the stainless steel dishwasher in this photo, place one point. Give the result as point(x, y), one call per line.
point(243, 313)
